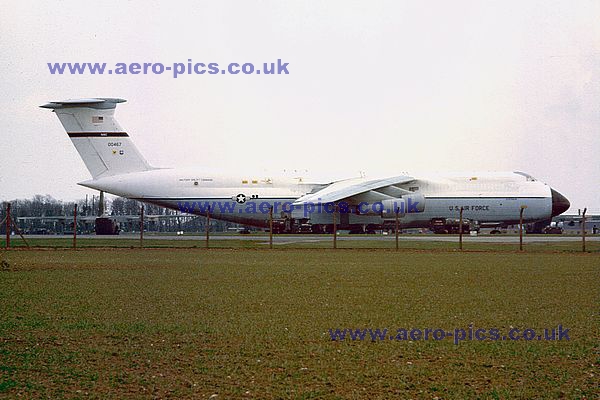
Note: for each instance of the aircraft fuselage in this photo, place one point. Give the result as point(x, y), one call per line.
point(486, 198)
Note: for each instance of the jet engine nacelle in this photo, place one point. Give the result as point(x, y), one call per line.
point(407, 204)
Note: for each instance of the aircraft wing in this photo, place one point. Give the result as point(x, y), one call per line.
point(358, 189)
point(92, 218)
point(147, 217)
point(56, 218)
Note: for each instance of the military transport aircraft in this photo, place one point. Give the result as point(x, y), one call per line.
point(117, 167)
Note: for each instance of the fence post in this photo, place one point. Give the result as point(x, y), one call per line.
point(583, 230)
point(75, 227)
point(8, 225)
point(521, 227)
point(460, 230)
point(142, 227)
point(397, 226)
point(207, 226)
point(335, 226)
point(271, 228)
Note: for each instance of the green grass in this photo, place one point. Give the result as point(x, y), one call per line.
point(115, 323)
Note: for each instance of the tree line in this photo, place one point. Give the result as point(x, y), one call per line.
point(42, 207)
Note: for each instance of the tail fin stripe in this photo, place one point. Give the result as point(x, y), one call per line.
point(97, 134)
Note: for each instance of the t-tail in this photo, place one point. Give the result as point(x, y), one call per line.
point(104, 146)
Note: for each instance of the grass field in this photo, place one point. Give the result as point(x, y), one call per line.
point(181, 323)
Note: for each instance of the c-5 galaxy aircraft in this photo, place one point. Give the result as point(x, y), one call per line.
point(359, 203)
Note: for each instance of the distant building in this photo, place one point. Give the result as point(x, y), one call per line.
point(571, 224)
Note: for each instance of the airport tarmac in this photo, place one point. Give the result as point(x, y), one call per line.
point(289, 239)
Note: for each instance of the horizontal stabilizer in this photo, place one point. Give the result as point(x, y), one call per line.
point(97, 103)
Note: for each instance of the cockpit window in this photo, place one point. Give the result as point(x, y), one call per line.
point(529, 177)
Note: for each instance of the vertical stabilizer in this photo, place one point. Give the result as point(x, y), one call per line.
point(106, 149)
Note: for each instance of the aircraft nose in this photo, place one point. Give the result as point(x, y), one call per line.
point(560, 204)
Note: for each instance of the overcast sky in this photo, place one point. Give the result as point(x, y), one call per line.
point(380, 87)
